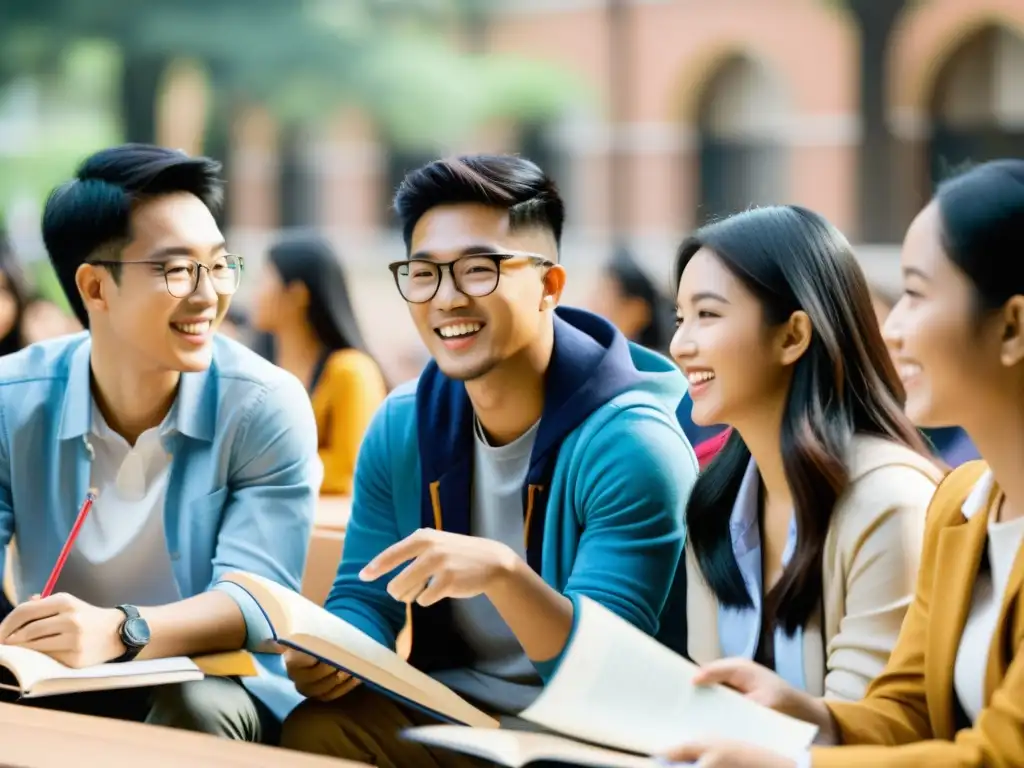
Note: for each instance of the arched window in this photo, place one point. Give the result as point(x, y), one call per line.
point(977, 107)
point(299, 178)
point(535, 144)
point(742, 122)
point(399, 162)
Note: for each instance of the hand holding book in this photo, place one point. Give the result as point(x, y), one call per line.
point(316, 679)
point(622, 698)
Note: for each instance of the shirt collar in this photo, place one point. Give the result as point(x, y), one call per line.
point(193, 414)
point(743, 520)
point(980, 497)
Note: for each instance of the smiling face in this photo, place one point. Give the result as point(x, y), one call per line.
point(137, 312)
point(730, 357)
point(947, 356)
point(471, 336)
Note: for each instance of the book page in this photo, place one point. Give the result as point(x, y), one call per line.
point(304, 617)
point(518, 748)
point(620, 687)
point(322, 634)
point(32, 667)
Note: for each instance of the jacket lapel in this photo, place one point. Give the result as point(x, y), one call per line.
point(814, 655)
point(702, 643)
point(1001, 650)
point(959, 556)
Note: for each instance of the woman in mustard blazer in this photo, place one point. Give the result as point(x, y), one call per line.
point(303, 302)
point(952, 693)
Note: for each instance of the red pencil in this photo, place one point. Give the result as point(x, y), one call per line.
point(83, 513)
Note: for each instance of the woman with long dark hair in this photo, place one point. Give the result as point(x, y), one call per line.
point(13, 299)
point(805, 530)
point(952, 692)
point(627, 296)
point(303, 302)
point(629, 299)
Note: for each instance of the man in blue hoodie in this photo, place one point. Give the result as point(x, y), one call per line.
point(536, 459)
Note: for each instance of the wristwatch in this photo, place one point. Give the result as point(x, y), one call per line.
point(134, 633)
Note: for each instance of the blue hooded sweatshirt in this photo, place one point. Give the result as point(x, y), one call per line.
point(609, 477)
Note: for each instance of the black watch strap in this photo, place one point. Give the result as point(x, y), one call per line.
point(129, 611)
point(132, 648)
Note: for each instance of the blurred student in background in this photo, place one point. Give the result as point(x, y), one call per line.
point(803, 535)
point(13, 297)
point(235, 325)
point(303, 303)
point(627, 296)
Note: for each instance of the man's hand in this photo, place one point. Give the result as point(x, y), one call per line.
point(68, 629)
point(443, 565)
point(316, 680)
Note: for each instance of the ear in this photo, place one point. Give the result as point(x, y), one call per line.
point(298, 293)
point(91, 287)
point(1011, 349)
point(794, 337)
point(553, 284)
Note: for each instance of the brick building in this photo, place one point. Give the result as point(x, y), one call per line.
point(695, 109)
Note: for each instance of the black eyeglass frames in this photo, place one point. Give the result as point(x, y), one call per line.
point(475, 274)
point(181, 274)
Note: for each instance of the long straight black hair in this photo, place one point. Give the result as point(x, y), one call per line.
point(793, 259)
point(633, 282)
point(17, 285)
point(308, 258)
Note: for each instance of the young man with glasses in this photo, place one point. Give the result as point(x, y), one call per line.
point(202, 454)
point(536, 460)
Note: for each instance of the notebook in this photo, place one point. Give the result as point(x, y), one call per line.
point(33, 674)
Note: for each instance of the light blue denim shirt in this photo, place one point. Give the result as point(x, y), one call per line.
point(739, 630)
point(242, 490)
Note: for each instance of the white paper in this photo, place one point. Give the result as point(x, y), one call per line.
point(620, 687)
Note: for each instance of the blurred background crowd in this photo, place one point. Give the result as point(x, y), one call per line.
point(652, 115)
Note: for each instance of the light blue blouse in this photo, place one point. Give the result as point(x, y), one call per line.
point(739, 629)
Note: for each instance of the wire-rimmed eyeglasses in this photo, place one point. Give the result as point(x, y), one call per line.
point(181, 275)
point(474, 274)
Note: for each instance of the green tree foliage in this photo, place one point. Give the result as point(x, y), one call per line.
point(300, 57)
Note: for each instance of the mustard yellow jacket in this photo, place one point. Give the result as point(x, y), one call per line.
point(346, 396)
point(907, 716)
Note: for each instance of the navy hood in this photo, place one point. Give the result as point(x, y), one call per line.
point(591, 363)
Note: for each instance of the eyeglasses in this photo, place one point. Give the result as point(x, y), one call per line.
point(181, 276)
point(474, 275)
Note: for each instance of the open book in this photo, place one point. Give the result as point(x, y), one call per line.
point(619, 688)
point(298, 623)
point(518, 749)
point(35, 674)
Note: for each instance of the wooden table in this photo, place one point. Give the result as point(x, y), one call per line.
point(38, 738)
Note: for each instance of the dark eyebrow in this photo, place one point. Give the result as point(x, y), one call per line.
point(179, 250)
point(708, 295)
point(915, 272)
point(474, 250)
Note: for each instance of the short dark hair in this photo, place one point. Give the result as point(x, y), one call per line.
point(501, 181)
point(93, 210)
point(982, 213)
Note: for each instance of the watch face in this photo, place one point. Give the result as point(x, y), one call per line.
point(136, 632)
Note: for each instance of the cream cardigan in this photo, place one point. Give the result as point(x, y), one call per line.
point(869, 572)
